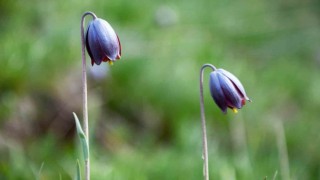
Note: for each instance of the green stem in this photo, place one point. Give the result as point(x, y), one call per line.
point(84, 91)
point(203, 122)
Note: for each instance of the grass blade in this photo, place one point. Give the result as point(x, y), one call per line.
point(40, 170)
point(78, 175)
point(275, 175)
point(83, 139)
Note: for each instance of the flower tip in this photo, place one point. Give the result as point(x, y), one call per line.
point(235, 110)
point(110, 63)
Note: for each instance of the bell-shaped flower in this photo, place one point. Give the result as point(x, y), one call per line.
point(102, 42)
point(227, 91)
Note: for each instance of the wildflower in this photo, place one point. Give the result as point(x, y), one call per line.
point(102, 42)
point(227, 91)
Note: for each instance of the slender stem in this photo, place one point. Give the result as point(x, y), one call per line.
point(203, 122)
point(84, 92)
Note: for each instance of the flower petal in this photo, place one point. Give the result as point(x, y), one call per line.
point(120, 48)
point(92, 44)
point(231, 94)
point(87, 45)
point(235, 81)
point(216, 91)
point(107, 39)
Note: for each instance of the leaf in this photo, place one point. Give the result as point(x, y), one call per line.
point(40, 170)
point(83, 139)
point(78, 175)
point(275, 175)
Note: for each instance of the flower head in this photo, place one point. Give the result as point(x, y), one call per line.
point(227, 91)
point(102, 42)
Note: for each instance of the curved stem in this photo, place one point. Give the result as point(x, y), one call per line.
point(84, 91)
point(203, 122)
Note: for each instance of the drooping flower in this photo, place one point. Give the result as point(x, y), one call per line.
point(227, 91)
point(102, 42)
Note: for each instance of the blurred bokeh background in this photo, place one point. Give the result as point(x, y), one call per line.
point(144, 110)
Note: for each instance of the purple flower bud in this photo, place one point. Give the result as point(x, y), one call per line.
point(102, 42)
point(227, 91)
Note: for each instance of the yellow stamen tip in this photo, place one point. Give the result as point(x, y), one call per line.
point(110, 63)
point(235, 110)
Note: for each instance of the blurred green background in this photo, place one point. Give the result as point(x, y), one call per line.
point(144, 112)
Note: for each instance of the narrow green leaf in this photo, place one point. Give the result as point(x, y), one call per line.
point(78, 175)
point(83, 138)
point(275, 175)
point(40, 170)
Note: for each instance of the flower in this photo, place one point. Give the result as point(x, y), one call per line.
point(102, 42)
point(227, 91)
